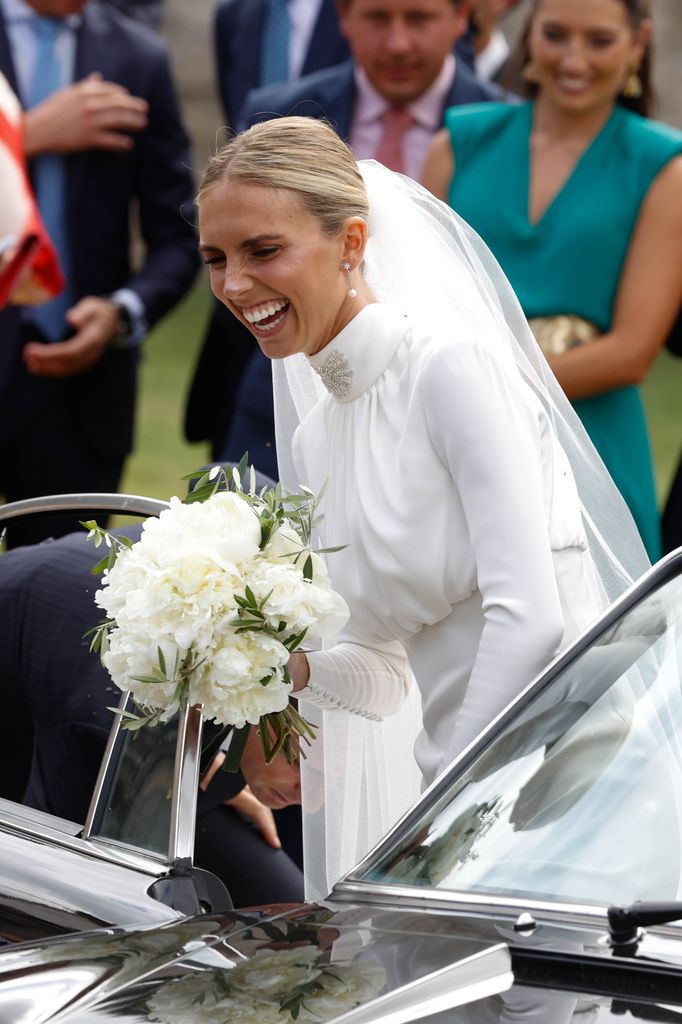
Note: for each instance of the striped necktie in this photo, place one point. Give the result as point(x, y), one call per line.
point(275, 49)
point(49, 175)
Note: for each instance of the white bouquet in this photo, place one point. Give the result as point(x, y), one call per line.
point(208, 605)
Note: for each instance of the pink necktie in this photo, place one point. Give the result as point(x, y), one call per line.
point(390, 152)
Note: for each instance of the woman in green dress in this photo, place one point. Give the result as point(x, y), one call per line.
point(579, 196)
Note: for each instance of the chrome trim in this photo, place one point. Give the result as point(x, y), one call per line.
point(475, 977)
point(103, 769)
point(472, 904)
point(41, 833)
point(185, 784)
point(120, 504)
point(666, 569)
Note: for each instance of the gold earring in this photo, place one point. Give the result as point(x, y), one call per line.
point(632, 89)
point(530, 73)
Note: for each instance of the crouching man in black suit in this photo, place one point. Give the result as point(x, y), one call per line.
point(56, 696)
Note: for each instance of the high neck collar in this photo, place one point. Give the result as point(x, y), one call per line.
point(360, 353)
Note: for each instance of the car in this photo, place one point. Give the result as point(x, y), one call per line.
point(535, 881)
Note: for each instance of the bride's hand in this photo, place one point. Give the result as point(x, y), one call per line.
point(299, 670)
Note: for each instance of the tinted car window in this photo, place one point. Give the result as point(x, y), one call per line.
point(579, 799)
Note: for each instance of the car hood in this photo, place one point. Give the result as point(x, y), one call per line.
point(327, 962)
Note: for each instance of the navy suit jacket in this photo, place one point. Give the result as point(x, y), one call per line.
point(238, 34)
point(330, 95)
point(100, 187)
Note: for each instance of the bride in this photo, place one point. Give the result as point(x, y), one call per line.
point(477, 520)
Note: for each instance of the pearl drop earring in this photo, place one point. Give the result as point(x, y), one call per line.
point(351, 290)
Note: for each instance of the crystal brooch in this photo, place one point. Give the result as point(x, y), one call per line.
point(336, 374)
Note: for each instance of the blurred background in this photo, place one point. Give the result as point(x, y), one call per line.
point(161, 454)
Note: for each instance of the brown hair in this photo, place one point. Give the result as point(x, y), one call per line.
point(638, 11)
point(300, 154)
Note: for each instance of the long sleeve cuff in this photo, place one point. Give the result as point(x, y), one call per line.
point(371, 682)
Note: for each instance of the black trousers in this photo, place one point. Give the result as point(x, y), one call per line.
point(42, 451)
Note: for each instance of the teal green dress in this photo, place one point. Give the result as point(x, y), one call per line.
point(571, 260)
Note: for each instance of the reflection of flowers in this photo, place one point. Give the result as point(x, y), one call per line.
point(274, 987)
point(430, 862)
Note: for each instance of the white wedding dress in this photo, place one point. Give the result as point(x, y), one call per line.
point(466, 561)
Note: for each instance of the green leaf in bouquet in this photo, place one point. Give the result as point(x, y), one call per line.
point(100, 566)
point(308, 569)
point(295, 640)
point(157, 678)
point(162, 661)
point(242, 467)
point(234, 753)
point(99, 634)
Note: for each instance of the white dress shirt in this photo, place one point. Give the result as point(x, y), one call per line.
point(426, 111)
point(303, 15)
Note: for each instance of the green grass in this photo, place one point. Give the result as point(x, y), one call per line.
point(663, 402)
point(162, 455)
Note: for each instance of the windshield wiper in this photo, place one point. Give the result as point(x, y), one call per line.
point(626, 923)
point(645, 1011)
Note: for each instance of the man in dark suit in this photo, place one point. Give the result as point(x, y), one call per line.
point(238, 34)
point(109, 126)
point(402, 59)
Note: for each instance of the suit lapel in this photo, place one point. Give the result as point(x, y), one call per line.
point(93, 52)
point(327, 45)
point(339, 102)
point(464, 88)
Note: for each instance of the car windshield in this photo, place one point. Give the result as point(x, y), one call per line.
point(579, 798)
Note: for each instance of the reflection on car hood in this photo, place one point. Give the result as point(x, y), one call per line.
point(318, 963)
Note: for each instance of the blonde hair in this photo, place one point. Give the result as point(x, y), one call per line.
point(300, 154)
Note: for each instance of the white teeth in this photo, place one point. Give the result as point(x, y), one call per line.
point(271, 327)
point(261, 312)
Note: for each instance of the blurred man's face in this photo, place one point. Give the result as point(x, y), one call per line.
point(401, 44)
point(57, 8)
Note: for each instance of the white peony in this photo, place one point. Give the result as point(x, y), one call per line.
point(175, 603)
point(303, 604)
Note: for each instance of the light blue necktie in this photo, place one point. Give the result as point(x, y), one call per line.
point(49, 175)
point(275, 49)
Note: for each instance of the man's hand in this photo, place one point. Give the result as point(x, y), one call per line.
point(246, 804)
point(95, 321)
point(275, 785)
point(90, 114)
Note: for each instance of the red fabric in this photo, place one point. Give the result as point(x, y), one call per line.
point(19, 214)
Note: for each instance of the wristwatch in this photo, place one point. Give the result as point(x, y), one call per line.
point(124, 327)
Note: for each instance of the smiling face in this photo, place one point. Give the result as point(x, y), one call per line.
point(583, 50)
point(272, 265)
point(401, 44)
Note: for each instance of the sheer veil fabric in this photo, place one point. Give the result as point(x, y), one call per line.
point(422, 259)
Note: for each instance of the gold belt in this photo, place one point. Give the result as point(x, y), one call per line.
point(557, 334)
